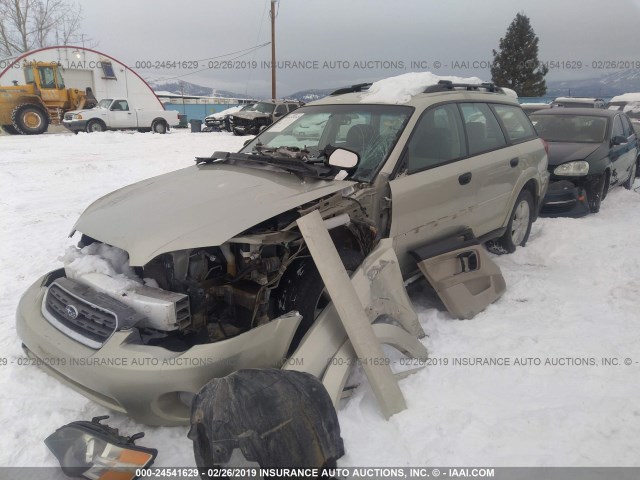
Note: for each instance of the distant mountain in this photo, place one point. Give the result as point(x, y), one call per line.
point(616, 83)
point(310, 95)
point(187, 88)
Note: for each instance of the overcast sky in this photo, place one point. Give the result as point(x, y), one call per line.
point(458, 34)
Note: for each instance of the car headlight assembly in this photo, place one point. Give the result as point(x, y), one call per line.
point(95, 451)
point(572, 169)
point(77, 117)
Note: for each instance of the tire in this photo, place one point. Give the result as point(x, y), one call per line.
point(518, 228)
point(11, 130)
point(159, 126)
point(632, 177)
point(95, 126)
point(301, 288)
point(596, 192)
point(30, 119)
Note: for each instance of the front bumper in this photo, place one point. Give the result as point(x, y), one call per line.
point(75, 125)
point(564, 199)
point(148, 383)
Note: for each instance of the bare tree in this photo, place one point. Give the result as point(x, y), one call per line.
point(29, 24)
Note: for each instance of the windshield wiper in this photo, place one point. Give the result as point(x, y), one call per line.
point(291, 164)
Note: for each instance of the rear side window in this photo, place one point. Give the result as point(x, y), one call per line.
point(617, 127)
point(515, 121)
point(482, 127)
point(437, 138)
point(292, 107)
point(281, 109)
point(626, 124)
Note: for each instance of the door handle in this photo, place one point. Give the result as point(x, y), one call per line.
point(464, 178)
point(514, 162)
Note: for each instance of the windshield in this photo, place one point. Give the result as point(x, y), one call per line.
point(105, 103)
point(370, 130)
point(570, 128)
point(261, 107)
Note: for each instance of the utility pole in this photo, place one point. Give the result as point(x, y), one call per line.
point(273, 49)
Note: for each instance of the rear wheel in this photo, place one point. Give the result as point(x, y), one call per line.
point(302, 289)
point(632, 177)
point(30, 119)
point(518, 228)
point(95, 126)
point(159, 126)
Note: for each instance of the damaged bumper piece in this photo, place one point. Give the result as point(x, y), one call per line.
point(566, 199)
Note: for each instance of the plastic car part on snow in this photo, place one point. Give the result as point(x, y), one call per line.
point(265, 417)
point(465, 278)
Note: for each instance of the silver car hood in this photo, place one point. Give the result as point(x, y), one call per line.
point(195, 207)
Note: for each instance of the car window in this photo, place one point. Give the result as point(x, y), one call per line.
point(626, 125)
point(120, 105)
point(370, 130)
point(292, 107)
point(617, 127)
point(570, 128)
point(482, 127)
point(515, 121)
point(437, 138)
point(281, 110)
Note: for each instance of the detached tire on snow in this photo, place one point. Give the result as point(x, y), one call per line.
point(30, 119)
point(518, 228)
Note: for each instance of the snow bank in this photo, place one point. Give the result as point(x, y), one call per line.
point(401, 88)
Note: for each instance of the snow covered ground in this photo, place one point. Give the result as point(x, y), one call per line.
point(573, 298)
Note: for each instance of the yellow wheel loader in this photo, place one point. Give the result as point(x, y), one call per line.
point(29, 109)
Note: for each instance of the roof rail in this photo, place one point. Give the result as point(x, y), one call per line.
point(444, 85)
point(352, 89)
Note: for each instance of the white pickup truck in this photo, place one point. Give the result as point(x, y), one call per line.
point(119, 114)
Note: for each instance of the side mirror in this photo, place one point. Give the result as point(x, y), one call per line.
point(618, 140)
point(344, 159)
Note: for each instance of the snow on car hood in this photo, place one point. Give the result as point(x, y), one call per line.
point(195, 207)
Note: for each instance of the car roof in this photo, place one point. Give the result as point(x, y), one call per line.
point(579, 99)
point(588, 112)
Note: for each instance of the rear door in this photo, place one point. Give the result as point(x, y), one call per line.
point(632, 140)
point(622, 155)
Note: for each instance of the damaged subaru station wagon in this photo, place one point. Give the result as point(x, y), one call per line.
point(200, 272)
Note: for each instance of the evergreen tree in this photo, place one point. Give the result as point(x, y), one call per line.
point(516, 64)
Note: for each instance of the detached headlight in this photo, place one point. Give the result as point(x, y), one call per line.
point(572, 169)
point(95, 451)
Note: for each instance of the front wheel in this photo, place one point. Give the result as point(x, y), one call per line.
point(518, 228)
point(596, 191)
point(95, 126)
point(30, 119)
point(302, 289)
point(632, 177)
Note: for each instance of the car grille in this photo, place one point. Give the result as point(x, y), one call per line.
point(84, 314)
point(68, 116)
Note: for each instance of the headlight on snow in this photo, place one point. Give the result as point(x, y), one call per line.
point(95, 451)
point(573, 169)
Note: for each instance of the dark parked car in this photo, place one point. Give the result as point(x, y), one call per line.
point(217, 122)
point(589, 151)
point(260, 115)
